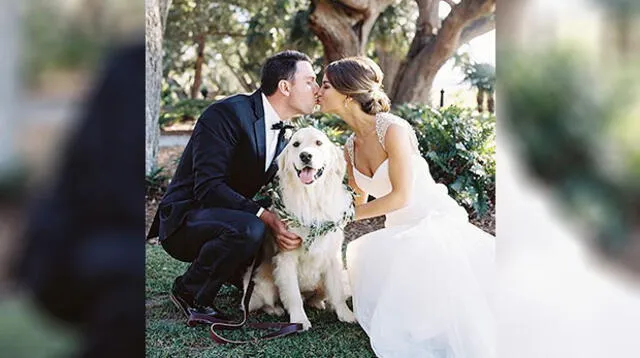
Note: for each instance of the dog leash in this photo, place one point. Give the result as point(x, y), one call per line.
point(283, 328)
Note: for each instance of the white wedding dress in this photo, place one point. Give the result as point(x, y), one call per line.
point(422, 285)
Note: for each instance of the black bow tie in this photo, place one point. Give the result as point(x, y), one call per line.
point(281, 125)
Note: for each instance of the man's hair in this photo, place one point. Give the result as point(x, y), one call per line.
point(281, 66)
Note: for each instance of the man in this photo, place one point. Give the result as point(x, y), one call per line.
point(207, 216)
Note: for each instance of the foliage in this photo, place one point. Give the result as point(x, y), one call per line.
point(156, 182)
point(57, 42)
point(334, 127)
point(23, 321)
point(562, 115)
point(184, 110)
point(479, 75)
point(238, 35)
point(459, 147)
point(314, 230)
point(394, 28)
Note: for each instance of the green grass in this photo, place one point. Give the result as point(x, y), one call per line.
point(27, 332)
point(167, 335)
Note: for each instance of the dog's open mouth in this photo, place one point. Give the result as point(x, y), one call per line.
point(308, 175)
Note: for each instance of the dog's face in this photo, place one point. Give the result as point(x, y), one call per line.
point(311, 157)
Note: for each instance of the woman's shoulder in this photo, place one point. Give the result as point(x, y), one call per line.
point(348, 146)
point(385, 120)
point(388, 118)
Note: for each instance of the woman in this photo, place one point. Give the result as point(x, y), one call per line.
point(421, 285)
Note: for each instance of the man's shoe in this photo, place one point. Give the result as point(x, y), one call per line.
point(183, 304)
point(194, 312)
point(206, 315)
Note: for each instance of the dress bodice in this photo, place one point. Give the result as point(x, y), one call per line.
point(426, 197)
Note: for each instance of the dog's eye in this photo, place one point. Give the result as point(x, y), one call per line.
point(318, 142)
point(296, 144)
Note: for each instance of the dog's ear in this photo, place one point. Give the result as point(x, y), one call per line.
point(282, 158)
point(340, 165)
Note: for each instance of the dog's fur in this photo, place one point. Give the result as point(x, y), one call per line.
point(318, 272)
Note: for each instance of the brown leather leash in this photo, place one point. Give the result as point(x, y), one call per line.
point(283, 328)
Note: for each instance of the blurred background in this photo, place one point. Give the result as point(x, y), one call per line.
point(54, 54)
point(568, 193)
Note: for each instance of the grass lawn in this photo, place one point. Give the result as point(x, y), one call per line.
point(27, 332)
point(167, 334)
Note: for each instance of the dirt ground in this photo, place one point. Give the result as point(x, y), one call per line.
point(168, 158)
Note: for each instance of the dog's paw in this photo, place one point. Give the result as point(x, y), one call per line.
point(305, 325)
point(304, 321)
point(346, 315)
point(274, 310)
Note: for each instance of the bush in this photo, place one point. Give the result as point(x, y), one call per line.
point(458, 145)
point(156, 182)
point(183, 110)
point(334, 127)
point(460, 148)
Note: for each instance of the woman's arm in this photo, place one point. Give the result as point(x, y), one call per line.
point(399, 152)
point(361, 196)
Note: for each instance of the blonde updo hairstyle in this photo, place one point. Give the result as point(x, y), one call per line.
point(360, 79)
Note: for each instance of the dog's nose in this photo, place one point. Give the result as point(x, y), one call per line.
point(305, 157)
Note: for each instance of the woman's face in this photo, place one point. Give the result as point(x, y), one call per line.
point(329, 99)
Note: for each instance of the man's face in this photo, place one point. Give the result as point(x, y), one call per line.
point(303, 89)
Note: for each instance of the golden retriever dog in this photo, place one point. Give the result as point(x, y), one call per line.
point(311, 171)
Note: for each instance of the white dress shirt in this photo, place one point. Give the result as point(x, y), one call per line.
point(271, 117)
point(271, 135)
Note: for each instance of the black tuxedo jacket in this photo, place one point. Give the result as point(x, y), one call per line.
point(222, 164)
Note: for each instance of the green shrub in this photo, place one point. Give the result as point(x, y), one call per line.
point(334, 127)
point(156, 182)
point(183, 110)
point(459, 147)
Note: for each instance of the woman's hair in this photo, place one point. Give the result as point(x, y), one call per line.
point(361, 79)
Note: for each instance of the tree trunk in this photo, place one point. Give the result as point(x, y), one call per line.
point(480, 100)
point(433, 45)
point(491, 104)
point(153, 71)
point(389, 61)
point(197, 78)
point(343, 26)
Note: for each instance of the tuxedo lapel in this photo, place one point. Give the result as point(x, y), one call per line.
point(259, 130)
point(258, 127)
point(282, 142)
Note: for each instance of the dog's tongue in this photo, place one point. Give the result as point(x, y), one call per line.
point(306, 175)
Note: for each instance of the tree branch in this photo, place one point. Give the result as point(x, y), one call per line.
point(356, 5)
point(240, 78)
point(451, 3)
point(479, 26)
point(428, 52)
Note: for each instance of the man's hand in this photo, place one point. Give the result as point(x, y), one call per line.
point(285, 239)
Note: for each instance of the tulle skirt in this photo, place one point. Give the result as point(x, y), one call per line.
point(425, 290)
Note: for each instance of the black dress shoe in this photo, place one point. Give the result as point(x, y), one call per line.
point(193, 311)
point(206, 315)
